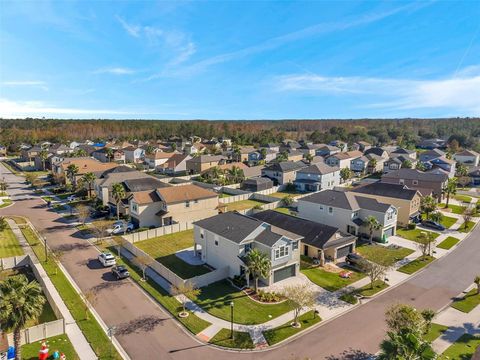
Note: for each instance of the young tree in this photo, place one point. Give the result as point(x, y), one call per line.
point(436, 216)
point(309, 158)
point(88, 179)
point(3, 185)
point(109, 152)
point(258, 265)
point(345, 174)
point(467, 216)
point(299, 297)
point(424, 243)
point(428, 315)
point(376, 266)
point(372, 165)
point(372, 224)
point(20, 301)
point(118, 193)
point(32, 179)
point(461, 170)
point(288, 200)
point(43, 155)
point(450, 189)
point(428, 204)
point(187, 290)
point(83, 211)
point(407, 164)
point(72, 171)
point(119, 243)
point(263, 153)
point(143, 262)
point(100, 228)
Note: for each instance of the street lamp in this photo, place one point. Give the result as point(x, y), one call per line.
point(231, 320)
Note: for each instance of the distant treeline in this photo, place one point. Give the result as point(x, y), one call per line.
point(377, 131)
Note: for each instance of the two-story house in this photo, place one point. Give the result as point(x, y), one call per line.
point(348, 211)
point(175, 165)
point(158, 158)
point(283, 172)
point(397, 162)
point(134, 154)
point(342, 145)
point(199, 164)
point(467, 157)
point(317, 177)
point(436, 158)
point(327, 150)
point(433, 182)
point(407, 201)
point(170, 205)
point(342, 160)
point(225, 240)
point(109, 154)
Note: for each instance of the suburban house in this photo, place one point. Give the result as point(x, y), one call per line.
point(437, 159)
point(193, 149)
point(377, 151)
point(283, 172)
point(342, 145)
point(362, 146)
point(294, 155)
point(255, 184)
point(418, 180)
point(317, 177)
point(85, 165)
point(467, 158)
point(310, 149)
point(199, 164)
point(412, 154)
point(431, 144)
point(225, 240)
point(272, 147)
point(170, 205)
point(370, 163)
point(175, 165)
point(327, 150)
point(317, 239)
point(157, 158)
point(103, 155)
point(407, 201)
point(29, 154)
point(397, 162)
point(348, 211)
point(474, 174)
point(134, 154)
point(244, 154)
point(343, 159)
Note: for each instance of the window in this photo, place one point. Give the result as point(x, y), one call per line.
point(321, 207)
point(135, 207)
point(216, 242)
point(247, 247)
point(295, 245)
point(415, 182)
point(330, 210)
point(187, 203)
point(202, 235)
point(354, 214)
point(281, 252)
point(401, 182)
point(196, 201)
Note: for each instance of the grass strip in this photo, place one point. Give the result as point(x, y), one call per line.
point(241, 340)
point(284, 331)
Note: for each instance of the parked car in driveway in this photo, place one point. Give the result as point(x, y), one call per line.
point(120, 227)
point(107, 259)
point(354, 259)
point(98, 214)
point(120, 272)
point(433, 225)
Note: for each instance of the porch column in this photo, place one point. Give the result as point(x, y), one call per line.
point(195, 253)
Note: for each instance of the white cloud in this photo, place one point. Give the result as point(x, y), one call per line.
point(460, 93)
point(115, 71)
point(133, 30)
point(33, 83)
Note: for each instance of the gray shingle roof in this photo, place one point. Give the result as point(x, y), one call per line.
point(414, 174)
point(319, 168)
point(388, 190)
point(286, 166)
point(143, 184)
point(268, 237)
point(345, 200)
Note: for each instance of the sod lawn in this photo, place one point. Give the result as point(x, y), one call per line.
point(462, 349)
point(163, 249)
point(283, 210)
point(463, 198)
point(469, 302)
point(215, 299)
point(466, 227)
point(61, 343)
point(367, 290)
point(274, 336)
point(416, 264)
point(448, 243)
point(243, 205)
point(455, 209)
point(328, 280)
point(435, 331)
point(5, 203)
point(413, 234)
point(9, 245)
point(447, 221)
point(241, 340)
point(397, 253)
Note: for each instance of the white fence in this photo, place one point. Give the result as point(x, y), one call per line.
point(235, 198)
point(40, 332)
point(14, 261)
point(171, 277)
point(160, 231)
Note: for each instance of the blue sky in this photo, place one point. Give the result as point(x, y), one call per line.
point(239, 60)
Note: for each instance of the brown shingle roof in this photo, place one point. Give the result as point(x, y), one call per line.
point(181, 193)
point(145, 197)
point(86, 165)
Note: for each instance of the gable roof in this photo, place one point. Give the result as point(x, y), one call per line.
point(143, 183)
point(388, 190)
point(86, 165)
point(231, 225)
point(414, 174)
point(467, 153)
point(286, 166)
point(347, 155)
point(403, 151)
point(206, 158)
point(175, 194)
point(145, 197)
point(375, 150)
point(319, 169)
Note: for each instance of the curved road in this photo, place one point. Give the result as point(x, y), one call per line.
point(148, 332)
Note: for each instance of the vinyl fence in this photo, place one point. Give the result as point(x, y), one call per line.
point(14, 261)
point(160, 231)
point(40, 332)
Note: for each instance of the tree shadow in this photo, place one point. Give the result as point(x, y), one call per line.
point(139, 325)
point(351, 354)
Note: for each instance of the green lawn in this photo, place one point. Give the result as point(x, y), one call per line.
point(466, 227)
point(367, 290)
point(282, 194)
point(46, 316)
point(243, 205)
point(462, 349)
point(5, 203)
point(416, 264)
point(395, 253)
point(349, 298)
point(163, 249)
point(223, 195)
point(9, 245)
point(463, 198)
point(469, 302)
point(435, 331)
point(455, 209)
point(92, 330)
point(328, 280)
point(241, 340)
point(47, 198)
point(448, 243)
point(61, 343)
point(414, 233)
point(192, 322)
point(447, 221)
point(284, 331)
point(283, 210)
point(216, 298)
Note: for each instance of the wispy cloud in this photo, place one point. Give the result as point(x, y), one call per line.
point(178, 42)
point(33, 83)
point(115, 71)
point(460, 93)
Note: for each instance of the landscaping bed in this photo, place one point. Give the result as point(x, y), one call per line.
point(467, 303)
point(216, 298)
point(241, 340)
point(278, 334)
point(5, 203)
point(413, 234)
point(448, 243)
point(163, 249)
point(416, 264)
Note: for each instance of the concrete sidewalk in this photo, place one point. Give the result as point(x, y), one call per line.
point(78, 340)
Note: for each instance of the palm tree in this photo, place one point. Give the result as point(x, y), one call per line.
point(88, 179)
point(436, 216)
point(372, 224)
point(263, 153)
point(372, 164)
point(109, 153)
point(309, 158)
point(428, 204)
point(407, 164)
point(79, 153)
point(450, 189)
point(236, 174)
point(20, 301)
point(345, 174)
point(149, 149)
point(72, 171)
point(405, 345)
point(43, 155)
point(258, 265)
point(118, 193)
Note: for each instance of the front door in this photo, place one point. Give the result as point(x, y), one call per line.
point(305, 250)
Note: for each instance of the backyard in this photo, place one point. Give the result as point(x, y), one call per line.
point(413, 234)
point(244, 205)
point(61, 343)
point(282, 194)
point(163, 249)
point(395, 252)
point(9, 245)
point(216, 298)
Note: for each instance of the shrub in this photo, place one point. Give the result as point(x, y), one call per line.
point(265, 296)
point(239, 281)
point(412, 226)
point(350, 298)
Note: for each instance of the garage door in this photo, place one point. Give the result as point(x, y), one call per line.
point(344, 251)
point(389, 232)
point(284, 273)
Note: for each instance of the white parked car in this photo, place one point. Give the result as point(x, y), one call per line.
point(120, 227)
point(107, 259)
point(71, 198)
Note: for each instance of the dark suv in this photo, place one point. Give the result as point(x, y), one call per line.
point(353, 259)
point(433, 225)
point(120, 272)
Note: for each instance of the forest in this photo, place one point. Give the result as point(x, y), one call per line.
point(406, 132)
